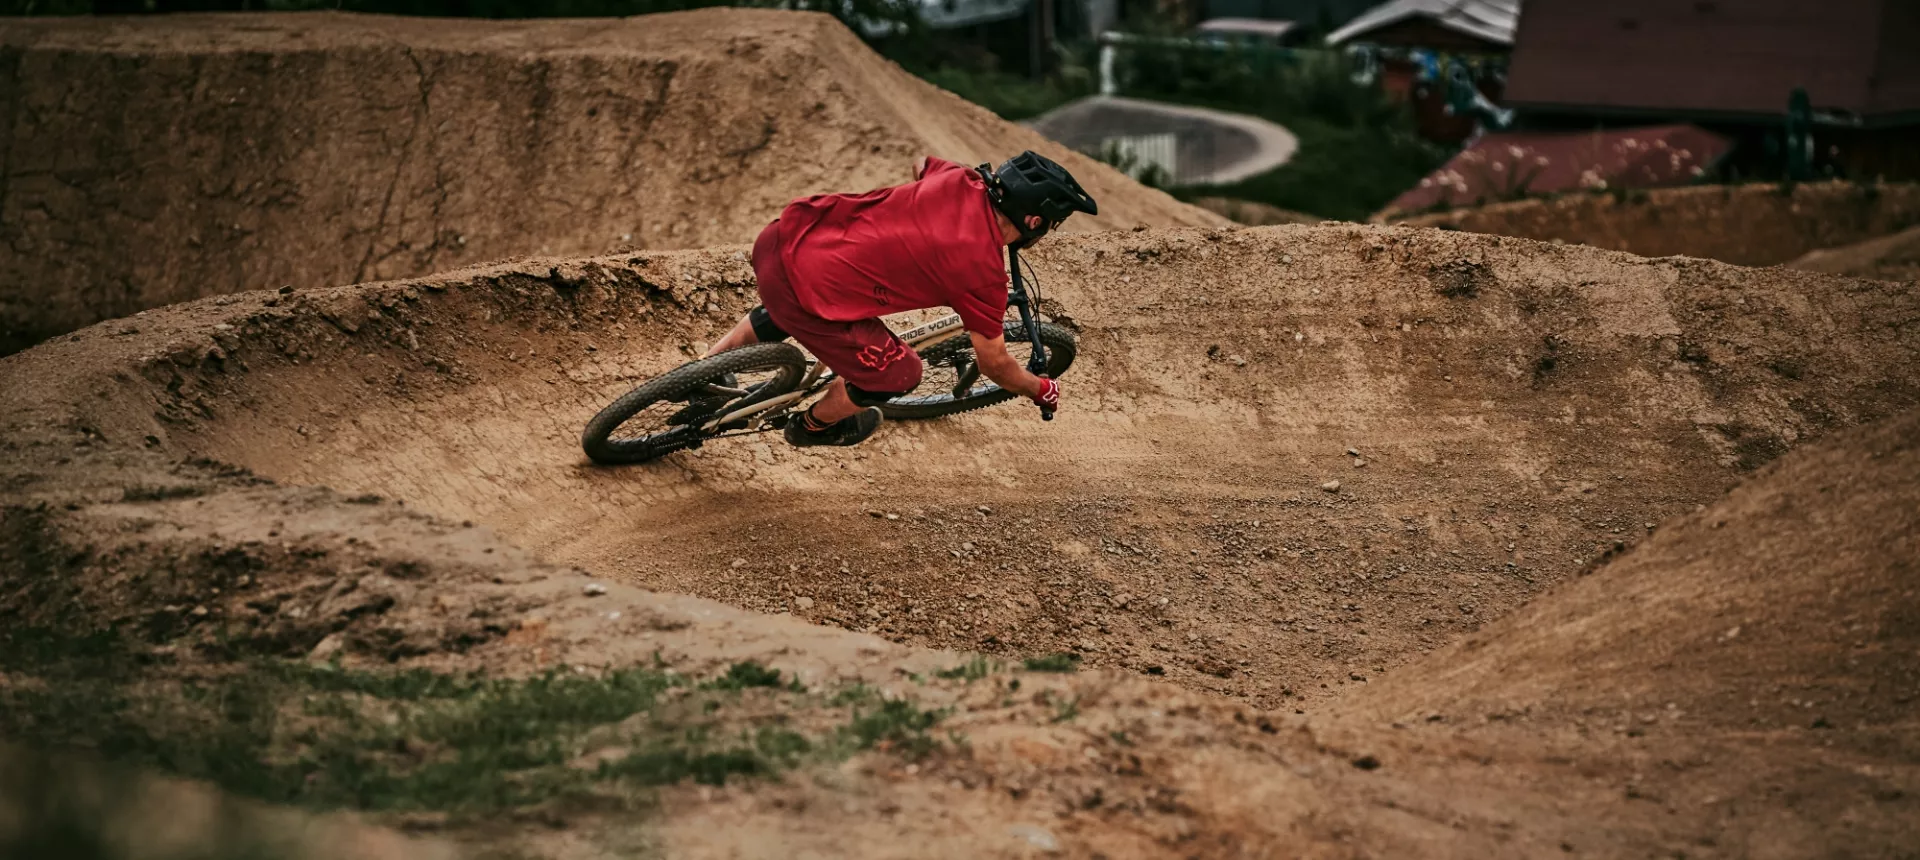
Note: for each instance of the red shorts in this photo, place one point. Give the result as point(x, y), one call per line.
point(864, 352)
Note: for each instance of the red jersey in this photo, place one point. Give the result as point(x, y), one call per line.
point(933, 242)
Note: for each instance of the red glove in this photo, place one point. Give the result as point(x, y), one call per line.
point(1049, 396)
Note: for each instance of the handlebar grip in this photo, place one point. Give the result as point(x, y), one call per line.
point(1046, 413)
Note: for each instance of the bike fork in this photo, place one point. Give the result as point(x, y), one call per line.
point(1037, 360)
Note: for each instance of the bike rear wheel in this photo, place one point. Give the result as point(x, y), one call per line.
point(952, 383)
point(660, 417)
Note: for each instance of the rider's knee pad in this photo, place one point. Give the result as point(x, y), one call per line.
point(764, 328)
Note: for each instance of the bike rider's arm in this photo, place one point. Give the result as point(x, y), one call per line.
point(991, 353)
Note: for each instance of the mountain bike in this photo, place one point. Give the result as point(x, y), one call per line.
point(758, 388)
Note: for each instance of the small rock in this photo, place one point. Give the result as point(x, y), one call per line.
point(893, 516)
point(739, 562)
point(327, 648)
point(198, 612)
point(594, 589)
point(1353, 452)
point(876, 513)
point(803, 603)
point(1237, 361)
point(1367, 762)
point(1331, 486)
point(984, 509)
point(967, 547)
point(1359, 464)
point(1038, 837)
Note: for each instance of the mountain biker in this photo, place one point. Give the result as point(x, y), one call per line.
point(832, 264)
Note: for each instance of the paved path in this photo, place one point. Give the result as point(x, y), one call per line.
point(1224, 147)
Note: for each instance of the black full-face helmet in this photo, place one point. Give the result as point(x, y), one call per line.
point(1032, 184)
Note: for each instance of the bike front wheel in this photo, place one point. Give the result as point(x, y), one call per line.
point(665, 414)
point(952, 382)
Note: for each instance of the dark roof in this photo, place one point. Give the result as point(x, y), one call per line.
point(1506, 165)
point(1717, 58)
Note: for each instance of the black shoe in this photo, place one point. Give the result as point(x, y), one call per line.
point(851, 430)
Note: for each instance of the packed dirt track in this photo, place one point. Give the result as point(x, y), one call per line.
point(159, 159)
point(1291, 463)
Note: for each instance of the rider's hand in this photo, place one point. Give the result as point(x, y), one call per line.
point(1049, 396)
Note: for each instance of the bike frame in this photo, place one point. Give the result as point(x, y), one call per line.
point(819, 377)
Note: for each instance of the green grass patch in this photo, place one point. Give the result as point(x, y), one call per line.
point(743, 675)
point(1341, 172)
point(896, 725)
point(1013, 97)
point(1064, 661)
point(1358, 148)
point(972, 670)
point(330, 737)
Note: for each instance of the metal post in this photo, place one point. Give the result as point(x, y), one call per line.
point(1108, 87)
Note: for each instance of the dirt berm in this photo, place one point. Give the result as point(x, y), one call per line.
point(1887, 258)
point(1756, 224)
point(1290, 462)
point(157, 159)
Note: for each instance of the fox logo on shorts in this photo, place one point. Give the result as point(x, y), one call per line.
point(879, 357)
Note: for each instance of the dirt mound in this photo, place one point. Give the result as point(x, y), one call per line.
point(1253, 213)
point(1888, 258)
point(1752, 225)
point(1748, 671)
point(158, 159)
point(1292, 460)
point(1513, 411)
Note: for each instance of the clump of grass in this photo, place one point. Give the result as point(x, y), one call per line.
point(897, 726)
point(331, 737)
point(972, 670)
point(746, 674)
point(160, 493)
point(1064, 661)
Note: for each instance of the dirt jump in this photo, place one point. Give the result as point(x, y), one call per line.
point(161, 159)
point(1348, 541)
